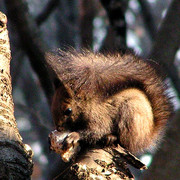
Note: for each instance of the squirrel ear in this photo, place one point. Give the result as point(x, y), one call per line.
point(52, 62)
point(58, 84)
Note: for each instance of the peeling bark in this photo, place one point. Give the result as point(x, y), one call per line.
point(103, 164)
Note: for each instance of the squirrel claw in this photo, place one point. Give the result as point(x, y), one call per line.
point(71, 140)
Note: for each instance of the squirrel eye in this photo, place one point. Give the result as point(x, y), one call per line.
point(68, 111)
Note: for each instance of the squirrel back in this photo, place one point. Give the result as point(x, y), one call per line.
point(120, 95)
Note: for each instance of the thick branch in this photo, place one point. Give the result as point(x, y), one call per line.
point(93, 163)
point(87, 14)
point(148, 18)
point(15, 157)
point(31, 42)
point(116, 12)
point(167, 43)
point(108, 163)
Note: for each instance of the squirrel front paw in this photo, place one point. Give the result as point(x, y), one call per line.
point(65, 143)
point(71, 140)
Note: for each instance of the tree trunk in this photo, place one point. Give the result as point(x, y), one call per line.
point(15, 157)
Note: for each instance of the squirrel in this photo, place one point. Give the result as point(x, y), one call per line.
point(112, 98)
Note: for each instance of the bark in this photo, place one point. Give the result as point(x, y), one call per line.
point(107, 163)
point(31, 42)
point(15, 157)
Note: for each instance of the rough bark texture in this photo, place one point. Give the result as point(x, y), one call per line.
point(15, 157)
point(108, 163)
point(7, 107)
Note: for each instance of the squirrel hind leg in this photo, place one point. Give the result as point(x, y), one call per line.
point(136, 122)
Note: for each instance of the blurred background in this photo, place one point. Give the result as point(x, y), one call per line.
point(79, 24)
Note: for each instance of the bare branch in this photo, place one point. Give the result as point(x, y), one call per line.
point(50, 6)
point(87, 14)
point(148, 18)
point(7, 106)
point(31, 42)
point(167, 43)
point(116, 12)
point(93, 163)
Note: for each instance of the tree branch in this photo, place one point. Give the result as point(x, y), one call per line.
point(116, 12)
point(15, 157)
point(87, 14)
point(167, 43)
point(166, 159)
point(103, 164)
point(50, 6)
point(31, 42)
point(148, 18)
point(95, 163)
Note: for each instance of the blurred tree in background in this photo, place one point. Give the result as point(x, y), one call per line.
point(150, 27)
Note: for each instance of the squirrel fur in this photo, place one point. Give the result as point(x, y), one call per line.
point(120, 98)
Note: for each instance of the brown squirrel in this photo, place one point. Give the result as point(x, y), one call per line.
point(113, 98)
